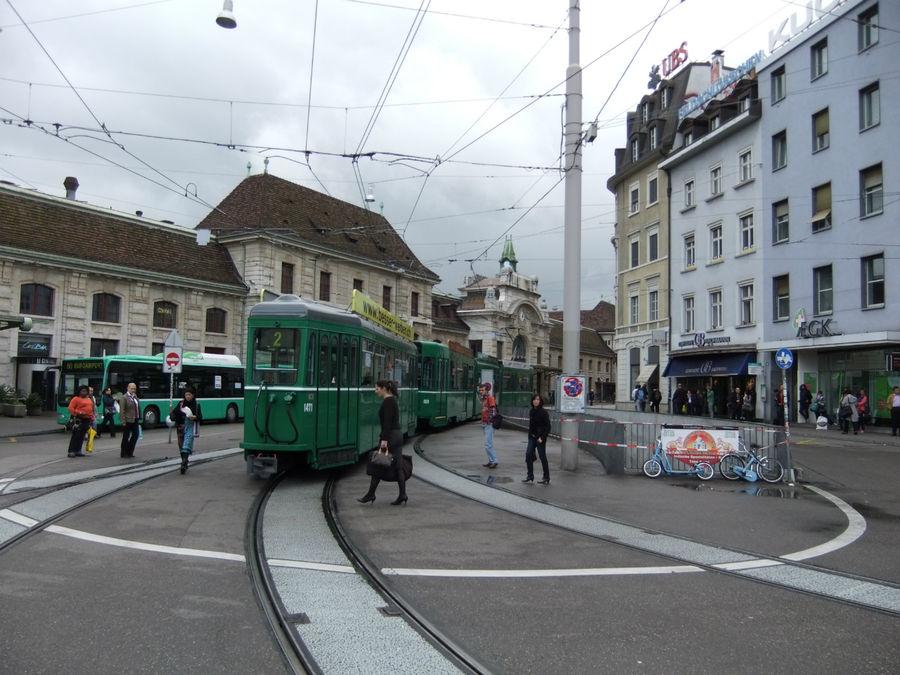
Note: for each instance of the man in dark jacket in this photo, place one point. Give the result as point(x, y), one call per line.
point(679, 400)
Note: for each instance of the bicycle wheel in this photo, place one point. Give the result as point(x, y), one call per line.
point(705, 471)
point(652, 467)
point(770, 470)
point(727, 464)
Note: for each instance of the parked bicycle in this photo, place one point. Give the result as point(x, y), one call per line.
point(660, 462)
point(748, 465)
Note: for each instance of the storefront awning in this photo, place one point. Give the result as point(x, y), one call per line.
point(646, 373)
point(708, 365)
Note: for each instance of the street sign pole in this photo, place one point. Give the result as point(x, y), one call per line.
point(785, 359)
point(172, 356)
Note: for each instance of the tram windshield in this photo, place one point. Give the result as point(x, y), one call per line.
point(275, 355)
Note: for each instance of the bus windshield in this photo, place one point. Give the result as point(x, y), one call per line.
point(75, 373)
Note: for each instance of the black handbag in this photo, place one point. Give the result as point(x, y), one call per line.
point(73, 423)
point(389, 473)
point(381, 458)
point(497, 422)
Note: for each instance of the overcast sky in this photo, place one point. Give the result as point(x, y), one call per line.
point(466, 146)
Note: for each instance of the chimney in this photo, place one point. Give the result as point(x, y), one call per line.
point(71, 184)
point(139, 213)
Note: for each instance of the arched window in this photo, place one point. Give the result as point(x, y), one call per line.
point(215, 320)
point(106, 308)
point(519, 349)
point(36, 299)
point(164, 314)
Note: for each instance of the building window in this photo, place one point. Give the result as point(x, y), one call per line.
point(714, 122)
point(358, 285)
point(414, 304)
point(633, 307)
point(716, 247)
point(715, 309)
point(779, 151)
point(287, 278)
point(867, 30)
point(818, 59)
point(100, 347)
point(215, 320)
point(745, 166)
point(652, 246)
point(645, 113)
point(869, 107)
point(634, 248)
point(744, 104)
point(653, 306)
point(781, 296)
point(652, 190)
point(386, 297)
point(157, 348)
point(499, 350)
point(820, 130)
point(688, 137)
point(654, 137)
point(106, 308)
point(688, 193)
point(779, 90)
point(164, 314)
point(635, 198)
point(746, 295)
point(780, 222)
point(688, 321)
point(746, 228)
point(715, 180)
point(36, 299)
point(871, 191)
point(325, 286)
point(821, 198)
point(690, 259)
point(823, 290)
point(540, 354)
point(873, 281)
point(664, 98)
point(635, 150)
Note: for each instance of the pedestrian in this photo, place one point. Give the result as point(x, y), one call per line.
point(110, 407)
point(538, 430)
point(804, 399)
point(847, 413)
point(679, 400)
point(96, 401)
point(634, 397)
point(130, 417)
point(81, 407)
point(187, 416)
point(750, 394)
point(591, 397)
point(710, 401)
point(488, 410)
point(779, 406)
point(391, 439)
point(862, 407)
point(894, 406)
point(734, 404)
point(655, 399)
point(747, 405)
point(643, 394)
point(820, 407)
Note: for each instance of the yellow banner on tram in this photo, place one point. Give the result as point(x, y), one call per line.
point(363, 305)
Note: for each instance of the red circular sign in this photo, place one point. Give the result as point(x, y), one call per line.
point(173, 359)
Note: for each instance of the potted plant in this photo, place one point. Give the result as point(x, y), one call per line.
point(34, 403)
point(10, 404)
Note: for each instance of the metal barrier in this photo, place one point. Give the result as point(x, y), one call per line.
point(623, 444)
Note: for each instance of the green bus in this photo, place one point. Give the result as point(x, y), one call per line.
point(218, 380)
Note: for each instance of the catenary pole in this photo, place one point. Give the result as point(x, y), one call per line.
point(572, 243)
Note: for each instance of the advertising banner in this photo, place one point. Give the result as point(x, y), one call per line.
point(699, 445)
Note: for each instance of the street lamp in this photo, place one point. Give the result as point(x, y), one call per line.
point(226, 16)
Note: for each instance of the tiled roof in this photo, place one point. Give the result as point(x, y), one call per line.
point(601, 319)
point(590, 341)
point(446, 318)
point(47, 226)
point(267, 203)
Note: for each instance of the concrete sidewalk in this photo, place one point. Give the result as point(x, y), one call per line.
point(30, 425)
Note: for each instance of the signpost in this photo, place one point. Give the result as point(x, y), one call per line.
point(173, 351)
point(571, 393)
point(785, 359)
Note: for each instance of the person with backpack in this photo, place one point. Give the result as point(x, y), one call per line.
point(634, 397)
point(847, 413)
point(642, 397)
point(862, 407)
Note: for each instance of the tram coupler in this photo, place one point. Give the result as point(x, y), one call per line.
point(264, 466)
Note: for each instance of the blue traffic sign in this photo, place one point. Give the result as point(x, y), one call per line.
point(784, 358)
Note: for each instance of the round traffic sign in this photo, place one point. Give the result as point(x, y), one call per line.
point(784, 358)
point(572, 386)
point(173, 359)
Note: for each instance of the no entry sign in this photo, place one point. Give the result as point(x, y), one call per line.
point(172, 360)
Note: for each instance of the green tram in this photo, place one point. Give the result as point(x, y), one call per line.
point(447, 384)
point(310, 382)
point(512, 384)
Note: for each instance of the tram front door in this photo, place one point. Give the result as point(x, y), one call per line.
point(337, 369)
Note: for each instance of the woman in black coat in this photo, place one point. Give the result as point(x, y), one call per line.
point(391, 439)
point(538, 430)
